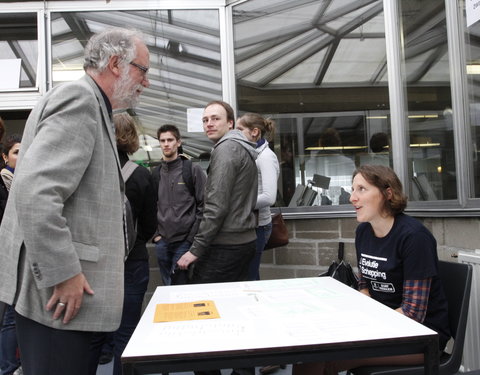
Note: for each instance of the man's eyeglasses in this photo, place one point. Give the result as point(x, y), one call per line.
point(144, 69)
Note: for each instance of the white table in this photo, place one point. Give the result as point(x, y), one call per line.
point(270, 322)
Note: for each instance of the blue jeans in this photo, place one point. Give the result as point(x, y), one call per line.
point(263, 234)
point(167, 256)
point(8, 343)
point(136, 283)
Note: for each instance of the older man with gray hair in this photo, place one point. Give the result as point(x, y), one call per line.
point(62, 234)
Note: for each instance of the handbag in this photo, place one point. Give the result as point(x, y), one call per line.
point(341, 270)
point(279, 236)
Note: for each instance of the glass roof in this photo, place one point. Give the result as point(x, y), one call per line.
point(279, 45)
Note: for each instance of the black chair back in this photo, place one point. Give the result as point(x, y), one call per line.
point(457, 283)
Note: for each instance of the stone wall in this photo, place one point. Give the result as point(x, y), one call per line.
point(314, 245)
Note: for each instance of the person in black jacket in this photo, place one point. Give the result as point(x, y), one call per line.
point(181, 185)
point(140, 192)
point(9, 361)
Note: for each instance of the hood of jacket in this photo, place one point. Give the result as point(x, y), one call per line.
point(239, 137)
point(263, 146)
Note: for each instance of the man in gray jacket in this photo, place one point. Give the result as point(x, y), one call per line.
point(225, 242)
point(62, 234)
point(180, 186)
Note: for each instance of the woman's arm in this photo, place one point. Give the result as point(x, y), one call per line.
point(415, 299)
point(362, 285)
point(267, 164)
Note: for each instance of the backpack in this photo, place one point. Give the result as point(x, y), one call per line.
point(187, 176)
point(130, 224)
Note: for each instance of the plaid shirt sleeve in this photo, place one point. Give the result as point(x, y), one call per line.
point(415, 298)
point(362, 283)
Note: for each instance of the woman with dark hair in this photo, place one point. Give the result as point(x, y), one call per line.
point(9, 361)
point(10, 151)
point(397, 263)
point(140, 193)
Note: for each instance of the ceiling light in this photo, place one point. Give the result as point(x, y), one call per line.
point(335, 148)
point(423, 116)
point(340, 148)
point(424, 144)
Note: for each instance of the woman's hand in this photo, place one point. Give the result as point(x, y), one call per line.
point(365, 291)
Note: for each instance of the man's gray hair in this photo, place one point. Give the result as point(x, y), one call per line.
point(111, 42)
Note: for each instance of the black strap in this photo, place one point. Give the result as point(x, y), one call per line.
point(341, 247)
point(187, 176)
point(128, 169)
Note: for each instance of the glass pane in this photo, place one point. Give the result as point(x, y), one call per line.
point(318, 69)
point(185, 70)
point(431, 150)
point(472, 34)
point(18, 51)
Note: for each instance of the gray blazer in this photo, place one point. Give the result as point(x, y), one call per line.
point(65, 209)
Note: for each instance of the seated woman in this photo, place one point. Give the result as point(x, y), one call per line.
point(397, 263)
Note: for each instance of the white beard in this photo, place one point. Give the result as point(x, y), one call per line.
point(125, 94)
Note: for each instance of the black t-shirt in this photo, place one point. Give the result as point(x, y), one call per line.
point(407, 252)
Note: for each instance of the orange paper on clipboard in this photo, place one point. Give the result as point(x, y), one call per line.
point(175, 312)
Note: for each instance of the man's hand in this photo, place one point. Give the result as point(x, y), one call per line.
point(67, 297)
point(186, 259)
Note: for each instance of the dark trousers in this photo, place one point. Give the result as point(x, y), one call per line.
point(50, 351)
point(136, 283)
point(263, 234)
point(9, 361)
point(224, 263)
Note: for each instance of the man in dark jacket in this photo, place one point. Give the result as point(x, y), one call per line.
point(180, 186)
point(225, 242)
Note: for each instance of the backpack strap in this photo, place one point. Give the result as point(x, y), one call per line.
point(128, 169)
point(156, 177)
point(187, 175)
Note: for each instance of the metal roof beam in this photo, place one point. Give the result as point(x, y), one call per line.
point(27, 67)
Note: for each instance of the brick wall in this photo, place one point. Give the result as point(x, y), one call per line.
point(314, 244)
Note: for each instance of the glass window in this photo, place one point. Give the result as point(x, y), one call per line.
point(431, 157)
point(319, 70)
point(18, 51)
point(185, 69)
point(472, 34)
